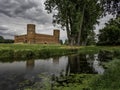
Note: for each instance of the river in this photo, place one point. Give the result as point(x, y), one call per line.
point(15, 75)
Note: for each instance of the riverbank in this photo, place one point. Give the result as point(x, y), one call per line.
point(108, 81)
point(26, 51)
point(110, 60)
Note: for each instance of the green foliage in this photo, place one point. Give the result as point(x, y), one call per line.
point(44, 84)
point(91, 38)
point(8, 41)
point(110, 35)
point(74, 82)
point(2, 40)
point(23, 54)
point(77, 17)
point(111, 6)
point(27, 51)
point(6, 53)
point(17, 51)
point(110, 79)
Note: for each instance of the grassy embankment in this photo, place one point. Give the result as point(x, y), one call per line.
point(26, 51)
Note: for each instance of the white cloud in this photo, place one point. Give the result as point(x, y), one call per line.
point(102, 22)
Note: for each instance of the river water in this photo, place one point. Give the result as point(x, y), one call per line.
point(16, 75)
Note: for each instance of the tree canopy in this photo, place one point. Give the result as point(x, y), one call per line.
point(2, 40)
point(111, 6)
point(110, 35)
point(77, 17)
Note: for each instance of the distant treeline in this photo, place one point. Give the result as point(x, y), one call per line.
point(2, 40)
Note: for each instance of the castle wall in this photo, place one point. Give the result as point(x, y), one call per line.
point(33, 38)
point(44, 39)
point(21, 39)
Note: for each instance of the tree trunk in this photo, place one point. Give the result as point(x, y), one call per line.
point(72, 38)
point(81, 23)
point(68, 31)
point(72, 41)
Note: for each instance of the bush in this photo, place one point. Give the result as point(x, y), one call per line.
point(6, 53)
point(110, 79)
point(23, 54)
point(110, 35)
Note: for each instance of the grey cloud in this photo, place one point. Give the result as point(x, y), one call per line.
point(3, 27)
point(5, 30)
point(27, 9)
point(14, 7)
point(9, 34)
point(14, 14)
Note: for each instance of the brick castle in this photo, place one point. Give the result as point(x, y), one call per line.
point(33, 38)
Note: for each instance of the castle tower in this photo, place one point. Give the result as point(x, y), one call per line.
point(30, 29)
point(30, 33)
point(57, 35)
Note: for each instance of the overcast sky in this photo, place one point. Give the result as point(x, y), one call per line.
point(16, 14)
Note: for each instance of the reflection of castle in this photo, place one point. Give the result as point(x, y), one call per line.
point(30, 64)
point(33, 37)
point(56, 60)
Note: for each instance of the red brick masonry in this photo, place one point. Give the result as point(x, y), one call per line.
point(34, 38)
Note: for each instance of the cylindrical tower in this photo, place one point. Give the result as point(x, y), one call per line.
point(56, 35)
point(30, 29)
point(31, 33)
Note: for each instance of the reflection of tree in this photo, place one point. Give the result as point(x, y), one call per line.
point(79, 64)
point(105, 56)
point(90, 58)
point(67, 69)
point(30, 64)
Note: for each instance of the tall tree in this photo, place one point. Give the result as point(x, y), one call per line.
point(92, 12)
point(76, 16)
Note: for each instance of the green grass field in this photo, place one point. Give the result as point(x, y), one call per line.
point(27, 46)
point(24, 51)
point(27, 51)
point(52, 46)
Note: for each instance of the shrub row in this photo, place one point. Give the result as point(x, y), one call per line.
point(109, 43)
point(28, 54)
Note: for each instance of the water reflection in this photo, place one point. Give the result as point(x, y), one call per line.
point(97, 65)
point(79, 64)
point(82, 63)
point(19, 71)
point(30, 64)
